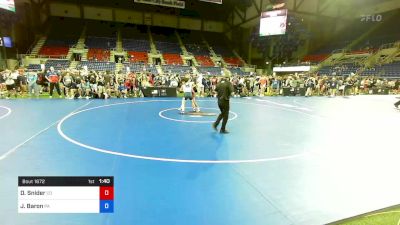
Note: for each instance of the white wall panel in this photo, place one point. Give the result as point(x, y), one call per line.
point(127, 16)
point(163, 20)
point(97, 13)
point(64, 10)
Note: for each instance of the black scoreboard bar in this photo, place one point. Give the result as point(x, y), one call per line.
point(65, 181)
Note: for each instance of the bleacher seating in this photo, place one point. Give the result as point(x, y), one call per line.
point(238, 71)
point(340, 70)
point(218, 44)
point(138, 56)
point(57, 64)
point(234, 61)
point(134, 67)
point(106, 66)
point(209, 70)
point(101, 42)
point(168, 47)
point(53, 51)
point(136, 45)
point(389, 70)
point(151, 69)
point(204, 60)
point(223, 51)
point(34, 67)
point(61, 37)
point(95, 54)
point(172, 59)
point(181, 70)
point(197, 49)
point(315, 58)
point(139, 67)
point(101, 39)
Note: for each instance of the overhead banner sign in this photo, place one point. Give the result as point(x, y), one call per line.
point(212, 1)
point(166, 3)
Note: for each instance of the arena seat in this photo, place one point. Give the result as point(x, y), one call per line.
point(197, 49)
point(233, 61)
point(344, 69)
point(54, 51)
point(181, 70)
point(136, 45)
point(95, 54)
point(139, 67)
point(57, 64)
point(168, 47)
point(315, 58)
point(389, 70)
point(105, 66)
point(138, 56)
point(238, 71)
point(101, 42)
point(172, 59)
point(34, 67)
point(209, 70)
point(204, 60)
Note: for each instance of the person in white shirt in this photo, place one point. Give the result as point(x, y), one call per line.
point(200, 86)
point(188, 91)
point(10, 83)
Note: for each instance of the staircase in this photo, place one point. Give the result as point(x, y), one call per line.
point(159, 70)
point(81, 41)
point(214, 57)
point(119, 41)
point(335, 56)
point(393, 54)
point(73, 64)
point(69, 54)
point(118, 67)
point(38, 46)
point(227, 72)
point(194, 69)
point(183, 48)
point(84, 55)
point(162, 60)
point(80, 45)
point(152, 45)
point(112, 57)
point(385, 54)
point(239, 57)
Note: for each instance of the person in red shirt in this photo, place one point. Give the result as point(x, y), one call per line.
point(54, 78)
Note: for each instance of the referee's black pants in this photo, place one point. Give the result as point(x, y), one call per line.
point(55, 85)
point(224, 107)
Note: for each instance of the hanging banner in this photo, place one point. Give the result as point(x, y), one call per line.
point(166, 3)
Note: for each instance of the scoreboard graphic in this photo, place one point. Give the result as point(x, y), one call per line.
point(65, 194)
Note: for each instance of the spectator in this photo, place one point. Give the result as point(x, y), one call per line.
point(54, 78)
point(32, 79)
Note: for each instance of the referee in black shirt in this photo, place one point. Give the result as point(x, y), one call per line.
point(224, 90)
